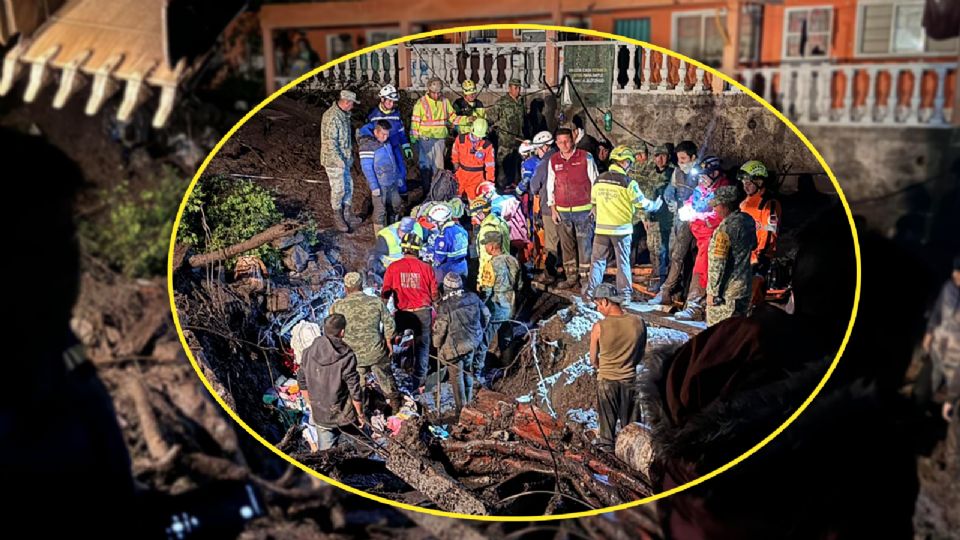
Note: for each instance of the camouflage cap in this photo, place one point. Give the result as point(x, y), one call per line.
point(660, 149)
point(516, 82)
point(608, 291)
point(347, 95)
point(491, 237)
point(353, 280)
point(725, 195)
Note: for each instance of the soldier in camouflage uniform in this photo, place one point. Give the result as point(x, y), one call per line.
point(336, 156)
point(729, 278)
point(498, 283)
point(509, 111)
point(369, 330)
point(653, 177)
point(942, 339)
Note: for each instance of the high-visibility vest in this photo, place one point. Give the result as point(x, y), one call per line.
point(430, 118)
point(765, 212)
point(391, 235)
point(617, 197)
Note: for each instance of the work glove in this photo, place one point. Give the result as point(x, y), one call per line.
point(376, 192)
point(651, 205)
point(407, 151)
point(686, 213)
point(413, 140)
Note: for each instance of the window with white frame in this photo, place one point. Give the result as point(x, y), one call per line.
point(807, 32)
point(381, 35)
point(699, 35)
point(896, 28)
point(482, 36)
point(339, 45)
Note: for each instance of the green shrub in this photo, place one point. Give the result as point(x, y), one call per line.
point(133, 236)
point(223, 211)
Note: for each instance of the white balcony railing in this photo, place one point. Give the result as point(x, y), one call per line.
point(900, 95)
point(915, 94)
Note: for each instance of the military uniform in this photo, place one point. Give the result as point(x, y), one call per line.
point(498, 283)
point(657, 224)
point(509, 120)
point(369, 326)
point(729, 277)
point(336, 154)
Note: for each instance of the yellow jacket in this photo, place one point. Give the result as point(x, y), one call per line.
point(616, 197)
point(432, 119)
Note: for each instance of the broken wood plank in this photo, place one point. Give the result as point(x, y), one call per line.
point(429, 478)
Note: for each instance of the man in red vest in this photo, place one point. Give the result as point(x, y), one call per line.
point(571, 173)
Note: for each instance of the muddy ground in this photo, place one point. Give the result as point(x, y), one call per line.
point(126, 327)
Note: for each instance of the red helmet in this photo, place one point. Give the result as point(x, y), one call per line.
point(485, 189)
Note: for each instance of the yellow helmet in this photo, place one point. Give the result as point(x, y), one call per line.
point(622, 153)
point(479, 128)
point(754, 168)
point(469, 87)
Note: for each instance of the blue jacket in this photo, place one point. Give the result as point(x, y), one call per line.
point(377, 159)
point(527, 169)
point(398, 135)
point(449, 249)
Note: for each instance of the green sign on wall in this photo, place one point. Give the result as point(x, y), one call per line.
point(590, 68)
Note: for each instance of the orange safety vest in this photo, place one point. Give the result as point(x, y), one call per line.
point(766, 212)
point(474, 162)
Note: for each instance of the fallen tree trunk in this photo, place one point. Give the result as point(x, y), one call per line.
point(429, 478)
point(280, 230)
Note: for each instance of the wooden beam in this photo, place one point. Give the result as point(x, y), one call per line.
point(731, 48)
point(269, 58)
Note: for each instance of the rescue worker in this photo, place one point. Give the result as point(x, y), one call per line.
point(389, 111)
point(681, 240)
point(458, 334)
point(545, 228)
point(498, 284)
point(432, 118)
point(571, 173)
point(379, 164)
point(468, 105)
point(336, 156)
point(329, 375)
point(449, 244)
point(386, 249)
point(615, 198)
point(509, 208)
point(766, 213)
point(942, 341)
point(370, 328)
point(473, 159)
point(414, 285)
point(653, 178)
point(617, 344)
point(585, 141)
point(510, 111)
point(528, 165)
point(729, 279)
point(485, 221)
point(703, 221)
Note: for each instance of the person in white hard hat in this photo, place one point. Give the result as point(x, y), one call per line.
point(388, 110)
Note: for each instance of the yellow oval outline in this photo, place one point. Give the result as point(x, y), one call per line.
point(586, 513)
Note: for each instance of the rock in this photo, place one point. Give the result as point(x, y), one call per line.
point(296, 258)
point(288, 241)
point(169, 351)
point(279, 300)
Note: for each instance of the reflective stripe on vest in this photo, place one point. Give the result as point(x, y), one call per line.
point(429, 121)
point(571, 186)
point(391, 235)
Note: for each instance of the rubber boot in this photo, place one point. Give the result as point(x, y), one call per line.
point(662, 298)
point(338, 222)
point(690, 313)
point(352, 219)
point(570, 283)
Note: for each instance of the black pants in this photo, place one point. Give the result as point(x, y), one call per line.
point(616, 400)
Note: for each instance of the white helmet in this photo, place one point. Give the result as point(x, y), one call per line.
point(527, 147)
point(544, 137)
point(440, 213)
point(390, 92)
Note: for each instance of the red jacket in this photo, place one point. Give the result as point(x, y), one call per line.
point(413, 281)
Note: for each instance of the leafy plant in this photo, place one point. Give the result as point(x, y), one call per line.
point(134, 234)
point(223, 211)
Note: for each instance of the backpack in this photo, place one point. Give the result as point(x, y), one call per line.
point(444, 186)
